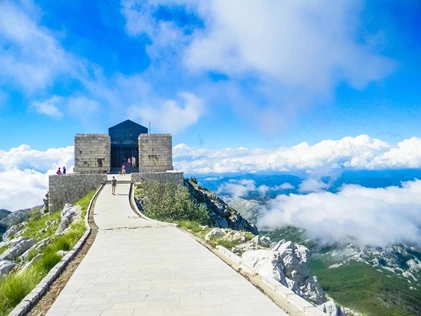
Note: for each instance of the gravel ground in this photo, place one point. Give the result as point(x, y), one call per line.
point(44, 304)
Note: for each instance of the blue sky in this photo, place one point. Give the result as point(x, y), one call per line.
point(263, 87)
point(213, 73)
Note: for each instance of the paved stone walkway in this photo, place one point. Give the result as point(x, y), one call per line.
point(136, 267)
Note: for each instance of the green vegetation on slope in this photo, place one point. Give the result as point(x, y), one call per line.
point(289, 233)
point(169, 202)
point(16, 286)
point(362, 288)
point(4, 213)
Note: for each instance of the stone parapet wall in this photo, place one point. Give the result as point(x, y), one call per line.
point(92, 153)
point(155, 152)
point(69, 188)
point(167, 177)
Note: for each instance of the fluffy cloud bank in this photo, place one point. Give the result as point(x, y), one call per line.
point(24, 174)
point(242, 188)
point(361, 152)
point(368, 216)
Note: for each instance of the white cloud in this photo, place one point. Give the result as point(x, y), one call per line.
point(31, 56)
point(237, 189)
point(24, 174)
point(284, 186)
point(242, 188)
point(361, 152)
point(23, 157)
point(377, 217)
point(291, 53)
point(21, 189)
point(309, 47)
point(49, 107)
point(312, 185)
point(170, 116)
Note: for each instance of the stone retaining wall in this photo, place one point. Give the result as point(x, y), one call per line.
point(69, 188)
point(167, 177)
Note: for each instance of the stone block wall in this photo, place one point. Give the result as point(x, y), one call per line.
point(155, 152)
point(167, 177)
point(92, 153)
point(69, 188)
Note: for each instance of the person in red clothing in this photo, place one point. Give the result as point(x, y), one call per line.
point(58, 171)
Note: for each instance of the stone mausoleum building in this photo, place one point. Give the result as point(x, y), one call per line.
point(96, 155)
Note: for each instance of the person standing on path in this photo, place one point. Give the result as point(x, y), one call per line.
point(113, 185)
point(123, 169)
point(133, 162)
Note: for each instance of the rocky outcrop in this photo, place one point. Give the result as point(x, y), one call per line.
point(38, 246)
point(14, 231)
point(18, 247)
point(220, 213)
point(289, 264)
point(5, 267)
point(332, 309)
point(69, 214)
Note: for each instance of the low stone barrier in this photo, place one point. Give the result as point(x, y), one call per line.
point(70, 188)
point(167, 177)
point(300, 305)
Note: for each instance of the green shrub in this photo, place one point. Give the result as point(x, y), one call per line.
point(15, 287)
point(35, 214)
point(49, 260)
point(170, 202)
point(62, 244)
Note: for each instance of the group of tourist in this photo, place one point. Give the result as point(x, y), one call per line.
point(59, 171)
point(131, 162)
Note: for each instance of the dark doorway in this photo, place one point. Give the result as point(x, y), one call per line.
point(120, 155)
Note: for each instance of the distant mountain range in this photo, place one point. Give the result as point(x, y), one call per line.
point(368, 280)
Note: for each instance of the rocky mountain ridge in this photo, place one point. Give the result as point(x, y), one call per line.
point(221, 214)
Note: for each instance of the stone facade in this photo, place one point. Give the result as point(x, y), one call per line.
point(92, 153)
point(155, 153)
point(167, 177)
point(69, 188)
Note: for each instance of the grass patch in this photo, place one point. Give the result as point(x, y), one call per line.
point(4, 248)
point(15, 286)
point(34, 228)
point(84, 202)
point(195, 228)
point(229, 244)
point(361, 287)
point(49, 260)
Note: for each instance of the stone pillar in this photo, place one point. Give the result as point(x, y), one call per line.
point(155, 153)
point(92, 153)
